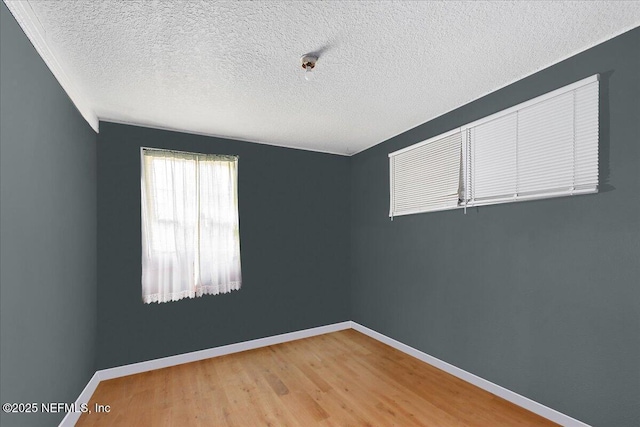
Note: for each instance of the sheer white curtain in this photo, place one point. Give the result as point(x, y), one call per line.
point(190, 232)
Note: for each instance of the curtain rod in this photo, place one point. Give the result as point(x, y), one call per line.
point(189, 152)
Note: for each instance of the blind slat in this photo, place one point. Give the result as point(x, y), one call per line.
point(426, 178)
point(546, 147)
point(550, 145)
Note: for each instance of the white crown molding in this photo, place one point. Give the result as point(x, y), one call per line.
point(120, 371)
point(28, 21)
point(219, 136)
point(509, 83)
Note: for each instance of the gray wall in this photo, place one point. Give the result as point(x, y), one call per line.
point(540, 297)
point(48, 234)
point(294, 238)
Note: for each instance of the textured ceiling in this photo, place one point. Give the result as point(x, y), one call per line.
point(233, 68)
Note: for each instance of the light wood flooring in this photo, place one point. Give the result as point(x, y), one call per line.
point(340, 379)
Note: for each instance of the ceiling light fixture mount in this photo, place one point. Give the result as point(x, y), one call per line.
point(308, 63)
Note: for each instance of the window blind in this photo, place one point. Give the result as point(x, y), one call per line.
point(544, 147)
point(492, 159)
point(586, 134)
point(426, 177)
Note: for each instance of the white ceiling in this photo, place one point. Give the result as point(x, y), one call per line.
point(233, 68)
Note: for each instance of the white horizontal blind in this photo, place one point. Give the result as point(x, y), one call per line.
point(586, 134)
point(426, 177)
point(493, 159)
point(544, 147)
point(538, 149)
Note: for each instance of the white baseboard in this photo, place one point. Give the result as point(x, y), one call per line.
point(72, 417)
point(513, 397)
point(136, 368)
point(165, 362)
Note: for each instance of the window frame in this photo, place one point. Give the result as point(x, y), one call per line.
point(466, 158)
point(152, 217)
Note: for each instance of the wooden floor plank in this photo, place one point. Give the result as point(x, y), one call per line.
point(340, 379)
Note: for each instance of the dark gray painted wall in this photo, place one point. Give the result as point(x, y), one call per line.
point(48, 234)
point(540, 297)
point(543, 299)
point(294, 238)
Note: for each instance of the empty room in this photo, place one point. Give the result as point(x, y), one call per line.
point(320, 213)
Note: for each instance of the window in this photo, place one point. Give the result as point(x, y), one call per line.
point(545, 147)
point(190, 231)
point(436, 162)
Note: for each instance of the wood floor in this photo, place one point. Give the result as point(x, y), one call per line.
point(340, 379)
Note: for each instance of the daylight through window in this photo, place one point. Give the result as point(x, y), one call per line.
point(190, 230)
